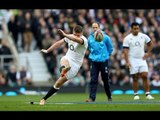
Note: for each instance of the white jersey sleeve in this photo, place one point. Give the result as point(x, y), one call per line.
point(147, 39)
point(125, 42)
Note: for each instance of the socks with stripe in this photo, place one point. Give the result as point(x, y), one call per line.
point(50, 92)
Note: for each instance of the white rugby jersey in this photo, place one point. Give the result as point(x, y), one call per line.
point(136, 44)
point(76, 51)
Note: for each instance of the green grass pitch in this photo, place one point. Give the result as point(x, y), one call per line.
point(76, 102)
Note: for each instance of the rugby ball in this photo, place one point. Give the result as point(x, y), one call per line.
point(98, 36)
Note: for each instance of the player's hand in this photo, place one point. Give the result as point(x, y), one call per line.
point(44, 51)
point(61, 32)
point(98, 30)
point(146, 55)
point(128, 65)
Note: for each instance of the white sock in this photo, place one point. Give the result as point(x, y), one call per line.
point(135, 93)
point(56, 87)
point(147, 93)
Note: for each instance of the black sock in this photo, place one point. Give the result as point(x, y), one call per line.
point(50, 92)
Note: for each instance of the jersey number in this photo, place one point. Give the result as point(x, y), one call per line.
point(71, 47)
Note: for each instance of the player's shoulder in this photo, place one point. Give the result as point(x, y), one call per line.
point(142, 34)
point(105, 35)
point(128, 36)
point(83, 37)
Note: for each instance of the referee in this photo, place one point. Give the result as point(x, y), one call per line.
point(98, 56)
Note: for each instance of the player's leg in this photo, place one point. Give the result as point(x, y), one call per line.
point(65, 66)
point(64, 69)
point(134, 69)
point(146, 85)
point(94, 72)
point(69, 75)
point(145, 81)
point(135, 85)
point(53, 89)
point(144, 75)
point(106, 79)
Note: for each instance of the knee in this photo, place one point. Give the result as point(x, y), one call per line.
point(58, 84)
point(135, 78)
point(144, 76)
point(60, 69)
point(93, 81)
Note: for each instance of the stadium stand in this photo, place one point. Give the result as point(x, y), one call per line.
point(43, 24)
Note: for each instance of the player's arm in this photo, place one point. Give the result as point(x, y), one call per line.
point(150, 47)
point(126, 50)
point(54, 46)
point(71, 37)
point(109, 45)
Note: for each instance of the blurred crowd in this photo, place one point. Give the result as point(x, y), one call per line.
point(40, 26)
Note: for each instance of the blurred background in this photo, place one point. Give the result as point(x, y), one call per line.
point(24, 32)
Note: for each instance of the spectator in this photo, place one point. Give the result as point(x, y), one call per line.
point(24, 77)
point(116, 23)
point(156, 81)
point(5, 50)
point(28, 35)
point(11, 79)
point(2, 79)
point(13, 29)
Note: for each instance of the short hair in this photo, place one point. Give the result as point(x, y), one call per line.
point(96, 23)
point(134, 24)
point(78, 29)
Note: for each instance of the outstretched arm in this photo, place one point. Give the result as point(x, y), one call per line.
point(71, 37)
point(56, 45)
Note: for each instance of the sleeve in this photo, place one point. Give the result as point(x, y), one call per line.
point(88, 41)
point(125, 43)
point(85, 42)
point(109, 45)
point(66, 40)
point(147, 39)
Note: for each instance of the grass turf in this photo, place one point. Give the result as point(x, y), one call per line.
point(76, 102)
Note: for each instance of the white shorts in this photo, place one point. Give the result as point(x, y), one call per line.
point(138, 66)
point(74, 68)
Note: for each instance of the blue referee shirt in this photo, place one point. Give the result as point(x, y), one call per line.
point(99, 51)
